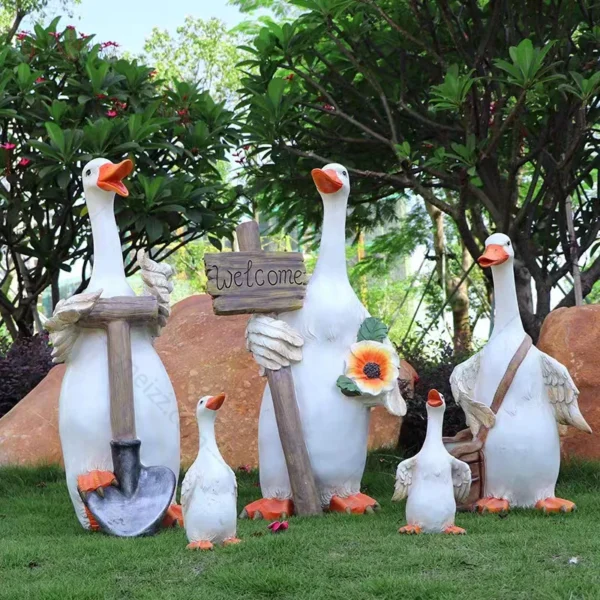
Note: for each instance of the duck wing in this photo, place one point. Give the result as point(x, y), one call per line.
point(62, 326)
point(463, 381)
point(273, 343)
point(157, 282)
point(461, 479)
point(562, 393)
point(404, 477)
point(191, 481)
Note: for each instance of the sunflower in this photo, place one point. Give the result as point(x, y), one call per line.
point(373, 367)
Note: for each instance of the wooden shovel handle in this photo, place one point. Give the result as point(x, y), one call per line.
point(120, 373)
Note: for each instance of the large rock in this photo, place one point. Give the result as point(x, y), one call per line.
point(571, 335)
point(203, 355)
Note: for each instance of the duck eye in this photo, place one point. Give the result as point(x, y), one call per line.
point(88, 172)
point(508, 243)
point(344, 174)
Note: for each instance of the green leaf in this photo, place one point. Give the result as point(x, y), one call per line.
point(56, 135)
point(347, 386)
point(372, 329)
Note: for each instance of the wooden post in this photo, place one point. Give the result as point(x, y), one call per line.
point(115, 315)
point(281, 383)
point(574, 253)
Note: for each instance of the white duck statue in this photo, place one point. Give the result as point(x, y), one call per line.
point(317, 341)
point(84, 404)
point(433, 480)
point(209, 489)
point(522, 448)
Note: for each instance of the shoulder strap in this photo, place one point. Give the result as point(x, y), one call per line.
point(507, 379)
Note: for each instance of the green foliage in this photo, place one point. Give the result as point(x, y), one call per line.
point(452, 93)
point(64, 101)
point(480, 115)
point(372, 329)
point(202, 52)
point(347, 386)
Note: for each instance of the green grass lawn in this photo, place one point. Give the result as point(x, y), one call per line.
point(45, 554)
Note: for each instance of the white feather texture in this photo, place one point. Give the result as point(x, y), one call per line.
point(62, 326)
point(273, 343)
point(563, 394)
point(463, 381)
point(157, 282)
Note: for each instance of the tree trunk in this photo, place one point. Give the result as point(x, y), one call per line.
point(460, 308)
point(55, 289)
point(459, 303)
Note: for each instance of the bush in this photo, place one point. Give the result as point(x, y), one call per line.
point(434, 368)
point(22, 367)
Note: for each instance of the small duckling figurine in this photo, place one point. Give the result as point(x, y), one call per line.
point(433, 480)
point(209, 489)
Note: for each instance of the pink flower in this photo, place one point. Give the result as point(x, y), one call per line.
point(329, 107)
point(109, 45)
point(84, 36)
point(71, 27)
point(111, 113)
point(55, 34)
point(101, 96)
point(23, 162)
point(276, 526)
point(22, 35)
point(40, 80)
point(8, 146)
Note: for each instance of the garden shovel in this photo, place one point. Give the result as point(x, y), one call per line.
point(139, 501)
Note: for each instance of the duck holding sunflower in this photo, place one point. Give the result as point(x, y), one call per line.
point(342, 363)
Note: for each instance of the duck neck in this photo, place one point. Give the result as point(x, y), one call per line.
point(506, 313)
point(206, 434)
point(435, 420)
point(108, 257)
point(332, 251)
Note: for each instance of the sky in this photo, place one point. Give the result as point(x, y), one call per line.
point(129, 22)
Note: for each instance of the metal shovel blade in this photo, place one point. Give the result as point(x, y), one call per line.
point(138, 504)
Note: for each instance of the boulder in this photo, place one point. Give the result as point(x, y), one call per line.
point(570, 335)
point(203, 355)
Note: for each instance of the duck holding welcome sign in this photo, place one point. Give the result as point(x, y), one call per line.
point(342, 363)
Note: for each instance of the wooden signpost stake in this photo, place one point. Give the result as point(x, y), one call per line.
point(252, 281)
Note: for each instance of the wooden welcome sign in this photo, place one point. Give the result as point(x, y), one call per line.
point(255, 282)
point(252, 281)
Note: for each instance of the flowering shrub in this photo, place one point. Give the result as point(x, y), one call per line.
point(66, 99)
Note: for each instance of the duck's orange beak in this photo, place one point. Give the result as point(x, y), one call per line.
point(494, 255)
point(327, 181)
point(216, 402)
point(111, 177)
point(434, 398)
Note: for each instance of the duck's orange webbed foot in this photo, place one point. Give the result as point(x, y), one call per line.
point(231, 540)
point(454, 530)
point(410, 530)
point(555, 505)
point(200, 545)
point(491, 505)
point(94, 481)
point(270, 509)
point(357, 504)
point(173, 517)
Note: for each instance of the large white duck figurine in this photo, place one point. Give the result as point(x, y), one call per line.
point(522, 449)
point(84, 404)
point(209, 489)
point(433, 480)
point(316, 341)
